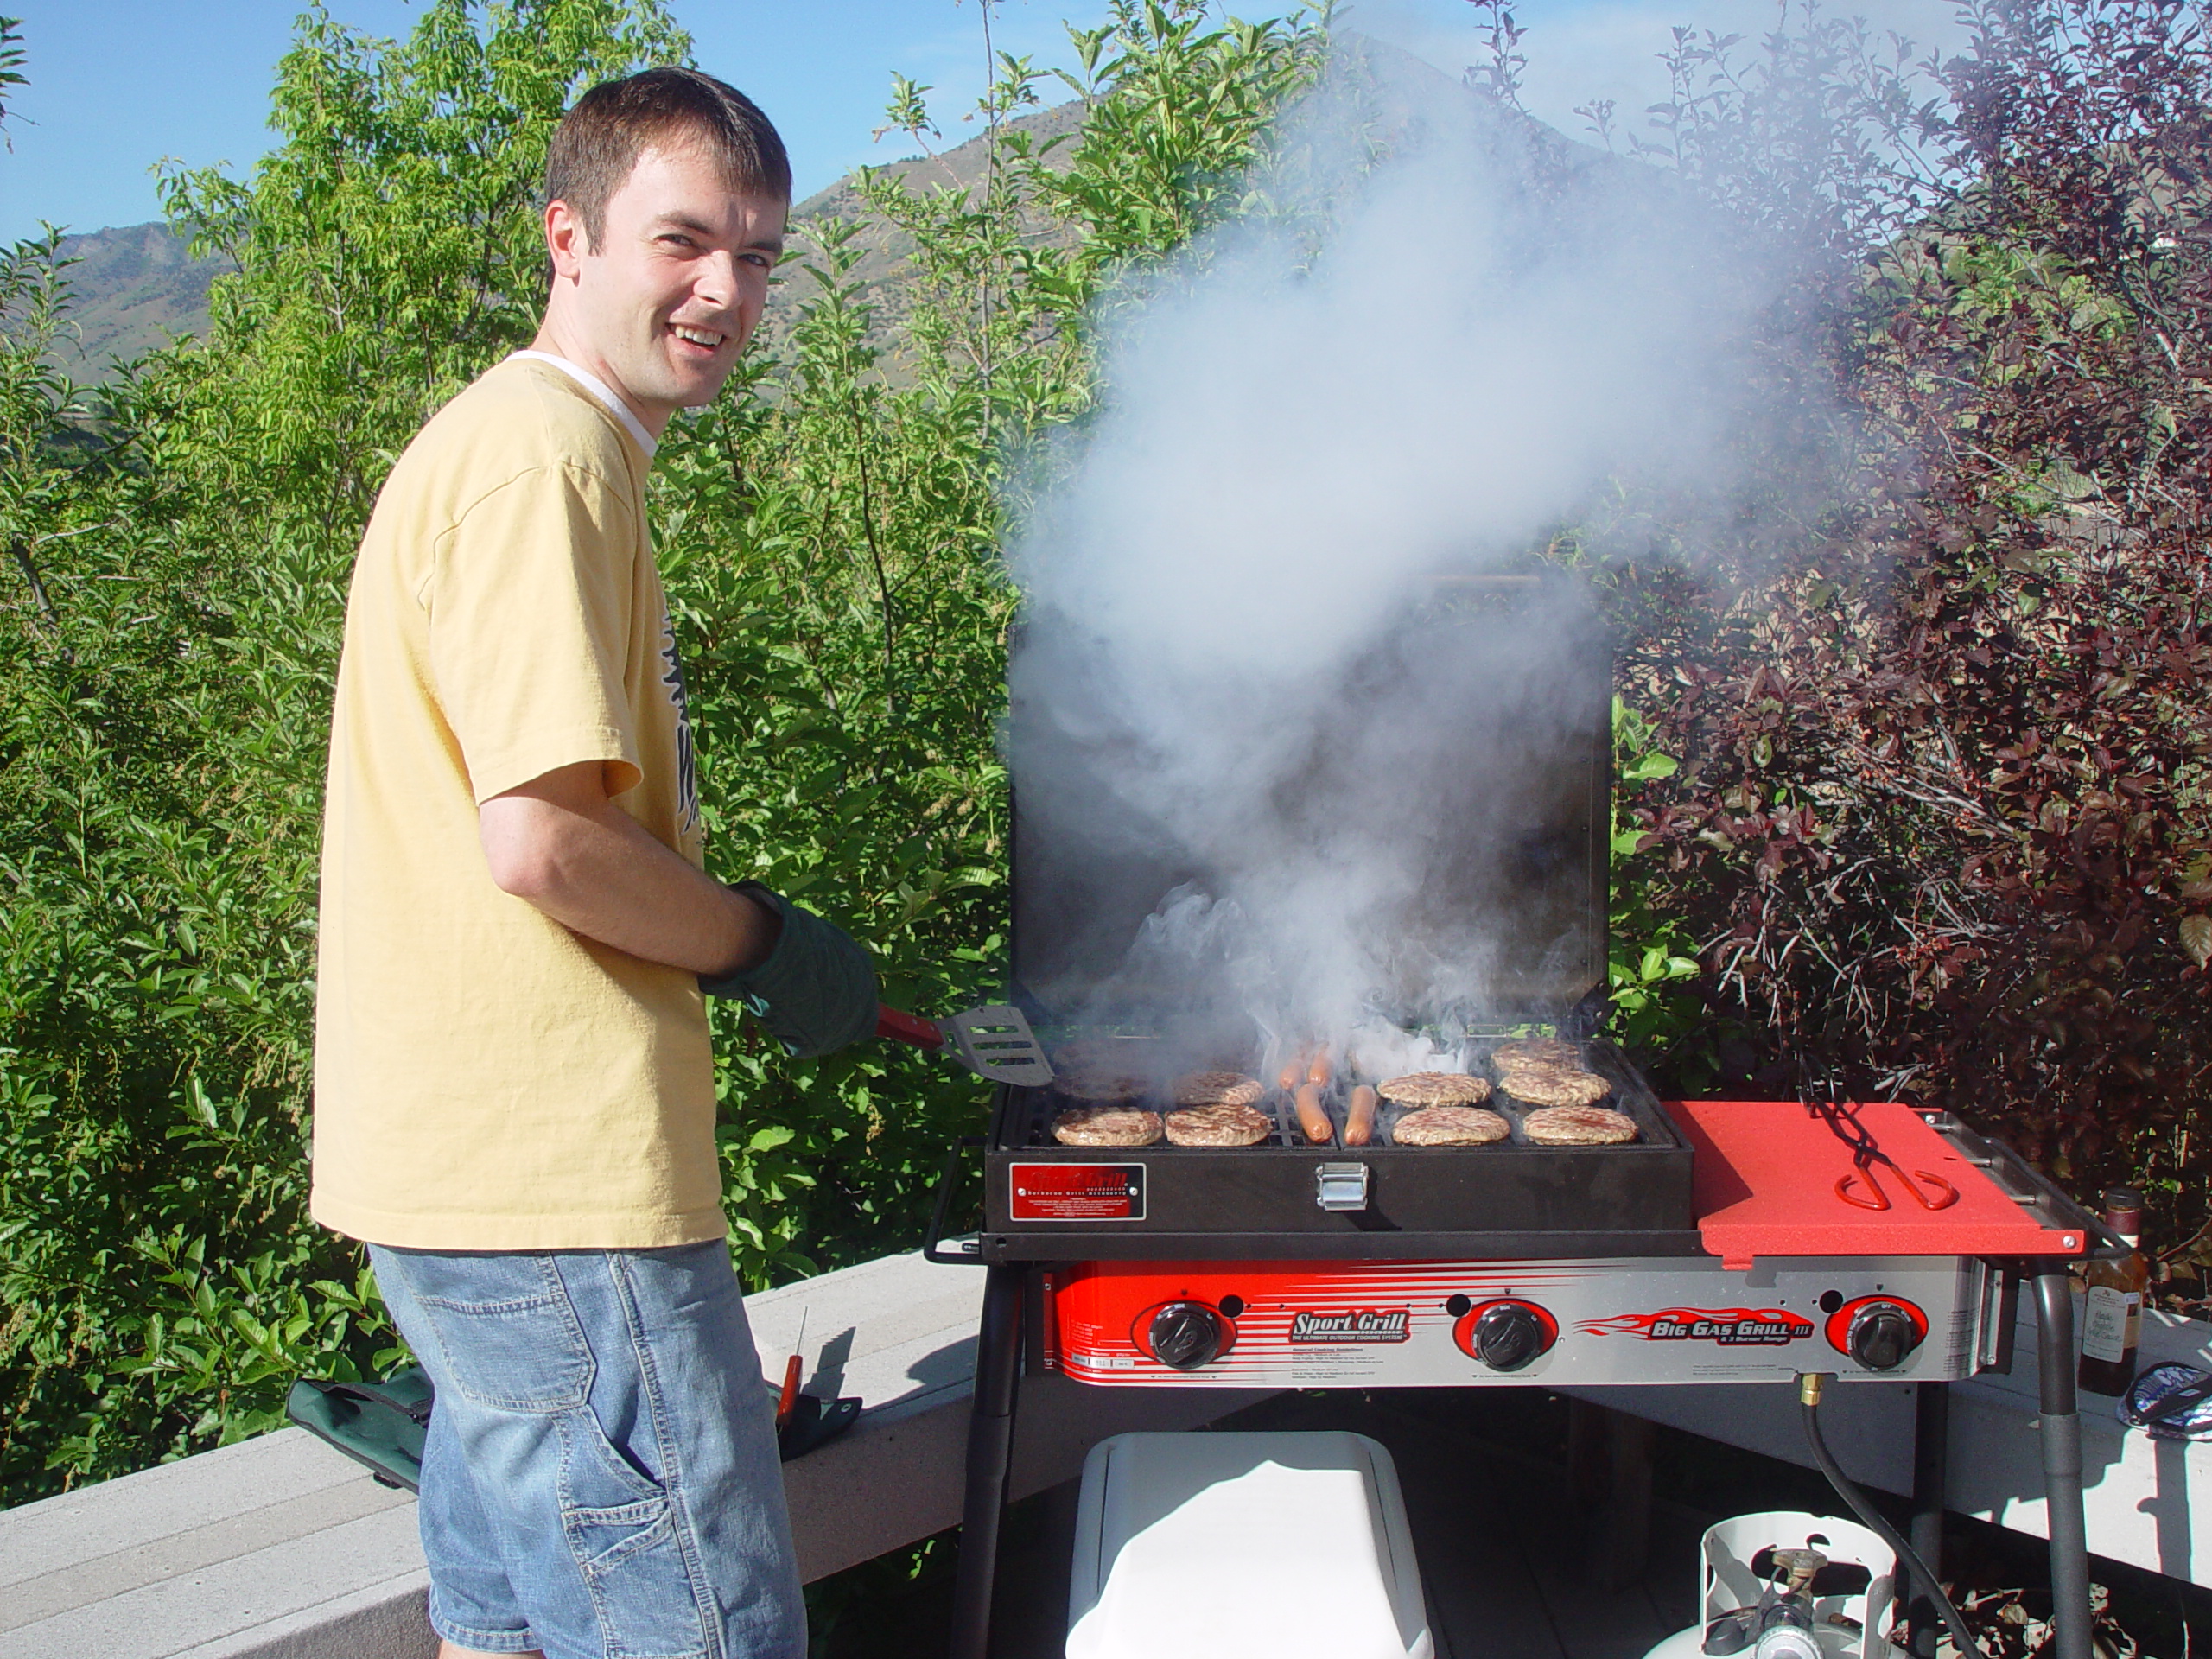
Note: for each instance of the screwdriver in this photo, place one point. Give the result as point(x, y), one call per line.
point(787, 1398)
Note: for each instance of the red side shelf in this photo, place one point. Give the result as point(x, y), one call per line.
point(1765, 1185)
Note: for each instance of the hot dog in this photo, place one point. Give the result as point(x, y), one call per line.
point(1312, 1121)
point(1294, 1070)
point(1359, 1117)
point(1317, 1069)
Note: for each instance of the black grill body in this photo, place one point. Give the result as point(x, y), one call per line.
point(1513, 1198)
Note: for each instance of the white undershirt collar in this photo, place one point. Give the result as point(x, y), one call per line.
point(599, 388)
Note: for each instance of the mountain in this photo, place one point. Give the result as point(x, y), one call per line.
point(885, 252)
point(136, 288)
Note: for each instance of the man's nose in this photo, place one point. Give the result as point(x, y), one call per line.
point(716, 281)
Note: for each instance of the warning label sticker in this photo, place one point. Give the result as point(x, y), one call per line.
point(1076, 1193)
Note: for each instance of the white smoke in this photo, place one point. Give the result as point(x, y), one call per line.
point(1298, 439)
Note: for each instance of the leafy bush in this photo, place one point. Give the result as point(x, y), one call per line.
point(1942, 823)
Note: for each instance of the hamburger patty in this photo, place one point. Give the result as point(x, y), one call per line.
point(1223, 1125)
point(1097, 1068)
point(1449, 1126)
point(1217, 1089)
point(1106, 1126)
point(1579, 1126)
point(1554, 1086)
point(1547, 1051)
point(1097, 1086)
point(1435, 1089)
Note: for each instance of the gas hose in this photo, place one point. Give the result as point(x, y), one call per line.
point(1810, 1386)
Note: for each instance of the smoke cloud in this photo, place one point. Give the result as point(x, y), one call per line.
point(1299, 738)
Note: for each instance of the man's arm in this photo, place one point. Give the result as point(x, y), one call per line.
point(560, 843)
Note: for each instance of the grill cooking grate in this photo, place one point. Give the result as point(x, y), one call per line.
point(1035, 1108)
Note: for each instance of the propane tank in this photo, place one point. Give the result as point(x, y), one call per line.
point(1785, 1584)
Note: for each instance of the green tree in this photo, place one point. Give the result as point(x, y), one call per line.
point(11, 64)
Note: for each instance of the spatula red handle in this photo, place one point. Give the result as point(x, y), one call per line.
point(906, 1028)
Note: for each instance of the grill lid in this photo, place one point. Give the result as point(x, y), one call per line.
point(1422, 828)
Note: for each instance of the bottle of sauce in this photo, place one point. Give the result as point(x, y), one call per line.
point(2113, 1319)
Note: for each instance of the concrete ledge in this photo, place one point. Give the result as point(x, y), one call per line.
point(281, 1548)
point(196, 1556)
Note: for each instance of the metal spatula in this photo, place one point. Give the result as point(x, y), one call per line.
point(994, 1043)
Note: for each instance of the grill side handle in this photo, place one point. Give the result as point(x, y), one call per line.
point(2028, 1186)
point(968, 1253)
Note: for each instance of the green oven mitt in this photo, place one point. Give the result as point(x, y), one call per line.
point(379, 1424)
point(815, 991)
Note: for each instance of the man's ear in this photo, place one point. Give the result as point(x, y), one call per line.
point(567, 241)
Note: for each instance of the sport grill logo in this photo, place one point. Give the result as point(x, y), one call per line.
point(1354, 1325)
point(1732, 1327)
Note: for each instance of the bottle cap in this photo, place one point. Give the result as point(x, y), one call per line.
point(2124, 1209)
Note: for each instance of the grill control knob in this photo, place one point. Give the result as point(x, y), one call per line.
point(1882, 1336)
point(1184, 1335)
point(1509, 1336)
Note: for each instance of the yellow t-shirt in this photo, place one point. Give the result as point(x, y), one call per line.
point(485, 1079)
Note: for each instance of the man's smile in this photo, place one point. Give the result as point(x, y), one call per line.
point(707, 339)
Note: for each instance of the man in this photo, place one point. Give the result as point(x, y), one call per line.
point(515, 1097)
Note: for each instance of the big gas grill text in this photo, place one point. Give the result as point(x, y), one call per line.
point(1731, 1327)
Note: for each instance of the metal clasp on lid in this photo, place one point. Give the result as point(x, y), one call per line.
point(1340, 1186)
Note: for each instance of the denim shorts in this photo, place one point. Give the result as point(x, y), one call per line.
point(600, 1479)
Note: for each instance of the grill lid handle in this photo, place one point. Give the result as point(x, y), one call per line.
point(1340, 1186)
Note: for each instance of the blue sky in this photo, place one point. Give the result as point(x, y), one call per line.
point(117, 84)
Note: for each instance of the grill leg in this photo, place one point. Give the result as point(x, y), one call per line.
point(1609, 1471)
point(990, 1446)
point(1626, 1528)
point(2062, 1459)
point(1931, 1430)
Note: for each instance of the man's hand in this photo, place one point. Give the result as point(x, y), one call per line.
point(816, 992)
point(560, 843)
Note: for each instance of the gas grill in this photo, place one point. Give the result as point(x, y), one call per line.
point(1729, 1242)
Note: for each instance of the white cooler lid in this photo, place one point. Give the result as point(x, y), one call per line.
point(1272, 1546)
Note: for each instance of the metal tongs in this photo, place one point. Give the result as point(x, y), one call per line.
point(1867, 1154)
point(995, 1042)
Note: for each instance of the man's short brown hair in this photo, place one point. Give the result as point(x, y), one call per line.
point(597, 142)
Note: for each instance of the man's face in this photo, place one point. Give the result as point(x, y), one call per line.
point(661, 305)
